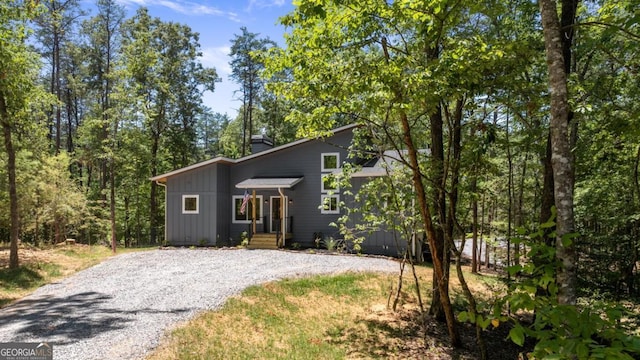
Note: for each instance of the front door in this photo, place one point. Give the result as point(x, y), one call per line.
point(276, 212)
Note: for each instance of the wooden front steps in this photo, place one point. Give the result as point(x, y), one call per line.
point(263, 241)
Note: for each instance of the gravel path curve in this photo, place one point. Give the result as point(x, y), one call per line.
point(120, 308)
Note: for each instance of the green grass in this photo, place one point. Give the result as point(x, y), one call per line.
point(21, 278)
point(26, 277)
point(319, 317)
point(291, 319)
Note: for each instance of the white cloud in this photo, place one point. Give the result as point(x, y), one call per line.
point(133, 2)
point(217, 57)
point(261, 4)
point(173, 5)
point(184, 7)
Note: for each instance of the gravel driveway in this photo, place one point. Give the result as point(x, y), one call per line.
point(120, 308)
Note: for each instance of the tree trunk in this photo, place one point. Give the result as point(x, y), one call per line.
point(519, 211)
point(510, 196)
point(561, 157)
point(453, 164)
point(487, 260)
point(636, 177)
point(112, 205)
point(127, 229)
point(474, 215)
point(439, 201)
point(58, 93)
point(482, 224)
point(438, 266)
point(13, 193)
point(250, 110)
point(244, 125)
point(36, 238)
point(69, 104)
point(153, 200)
point(547, 200)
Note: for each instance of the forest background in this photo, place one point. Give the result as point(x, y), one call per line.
point(93, 106)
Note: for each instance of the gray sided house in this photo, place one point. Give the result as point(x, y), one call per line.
point(277, 196)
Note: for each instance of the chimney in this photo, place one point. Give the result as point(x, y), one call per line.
point(260, 143)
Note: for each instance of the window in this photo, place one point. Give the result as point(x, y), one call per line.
point(330, 161)
point(330, 204)
point(329, 183)
point(244, 217)
point(190, 204)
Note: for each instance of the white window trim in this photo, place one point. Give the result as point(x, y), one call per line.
point(233, 209)
point(190, 212)
point(322, 209)
point(322, 189)
point(322, 156)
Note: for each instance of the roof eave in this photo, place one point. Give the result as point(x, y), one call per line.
point(163, 177)
point(257, 186)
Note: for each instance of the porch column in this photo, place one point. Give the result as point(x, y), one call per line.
point(283, 221)
point(253, 210)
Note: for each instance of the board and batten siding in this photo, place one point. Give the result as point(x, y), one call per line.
point(382, 241)
point(301, 160)
point(223, 217)
point(200, 228)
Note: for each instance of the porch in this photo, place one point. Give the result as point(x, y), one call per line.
point(267, 233)
point(277, 227)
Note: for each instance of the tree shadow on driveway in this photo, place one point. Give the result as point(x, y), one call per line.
point(66, 319)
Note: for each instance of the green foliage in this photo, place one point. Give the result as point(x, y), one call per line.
point(231, 139)
point(596, 330)
point(332, 244)
point(246, 65)
point(244, 239)
point(591, 330)
point(61, 203)
point(209, 130)
point(379, 204)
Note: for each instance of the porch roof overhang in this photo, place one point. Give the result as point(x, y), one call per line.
point(269, 183)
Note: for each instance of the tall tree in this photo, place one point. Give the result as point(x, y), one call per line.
point(245, 70)
point(103, 32)
point(165, 76)
point(18, 71)
point(561, 157)
point(209, 130)
point(55, 29)
point(402, 71)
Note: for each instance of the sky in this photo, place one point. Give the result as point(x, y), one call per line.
point(217, 21)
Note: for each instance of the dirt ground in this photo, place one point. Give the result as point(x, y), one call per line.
point(55, 254)
point(406, 334)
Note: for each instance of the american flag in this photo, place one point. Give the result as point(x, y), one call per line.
point(245, 200)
